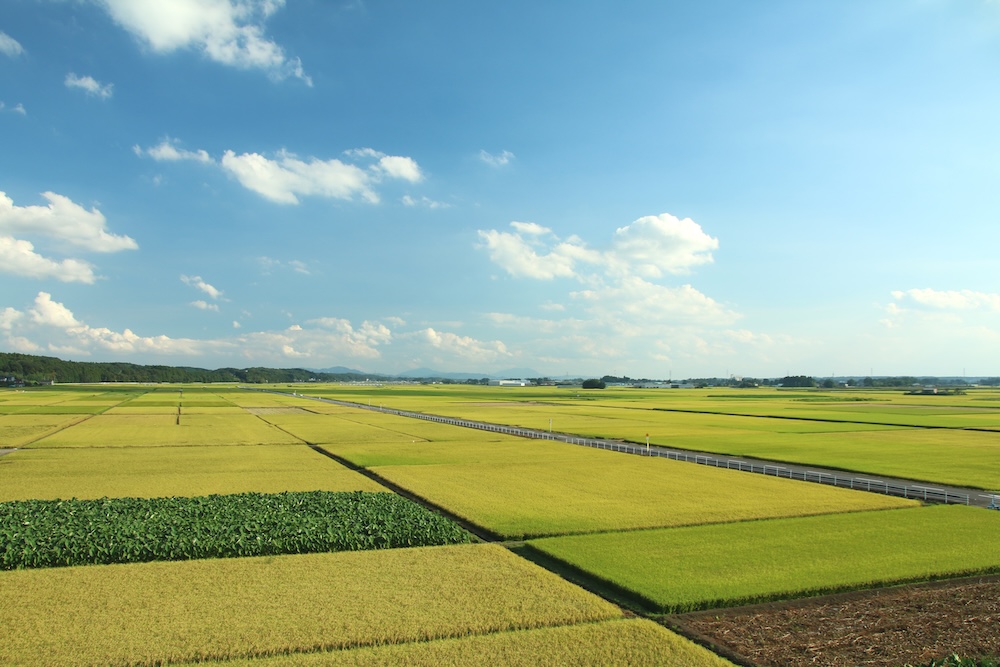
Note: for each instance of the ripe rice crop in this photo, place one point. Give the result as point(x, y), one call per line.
point(141, 430)
point(56, 533)
point(588, 490)
point(20, 429)
point(247, 607)
point(635, 642)
point(683, 569)
point(151, 472)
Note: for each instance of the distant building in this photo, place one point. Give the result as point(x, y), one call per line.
point(509, 383)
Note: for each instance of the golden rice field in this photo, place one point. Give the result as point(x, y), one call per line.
point(875, 432)
point(633, 642)
point(255, 607)
point(585, 490)
point(151, 472)
point(467, 604)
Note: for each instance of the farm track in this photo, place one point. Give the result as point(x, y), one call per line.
point(909, 488)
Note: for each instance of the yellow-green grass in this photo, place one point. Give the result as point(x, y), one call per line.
point(701, 567)
point(18, 430)
point(635, 642)
point(147, 409)
point(448, 447)
point(318, 428)
point(151, 472)
point(163, 430)
point(250, 607)
point(588, 490)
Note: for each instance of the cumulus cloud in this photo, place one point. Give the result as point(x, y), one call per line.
point(230, 32)
point(18, 257)
point(10, 46)
point(643, 301)
point(89, 85)
point(649, 247)
point(465, 347)
point(204, 305)
point(658, 244)
point(423, 202)
point(524, 255)
point(496, 160)
point(201, 285)
point(285, 177)
point(64, 221)
point(949, 299)
point(167, 151)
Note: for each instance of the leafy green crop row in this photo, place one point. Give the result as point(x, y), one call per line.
point(52, 533)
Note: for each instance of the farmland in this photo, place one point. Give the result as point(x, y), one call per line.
point(665, 535)
point(929, 438)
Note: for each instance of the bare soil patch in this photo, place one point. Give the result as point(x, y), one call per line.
point(888, 627)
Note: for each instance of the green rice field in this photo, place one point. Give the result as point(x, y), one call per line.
point(700, 567)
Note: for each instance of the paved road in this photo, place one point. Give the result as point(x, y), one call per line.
point(930, 492)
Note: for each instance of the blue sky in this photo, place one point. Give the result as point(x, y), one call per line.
point(656, 189)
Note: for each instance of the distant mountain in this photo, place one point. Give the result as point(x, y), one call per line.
point(431, 373)
point(343, 370)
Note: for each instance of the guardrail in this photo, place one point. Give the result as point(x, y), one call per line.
point(914, 491)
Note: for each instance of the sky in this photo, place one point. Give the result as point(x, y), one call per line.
point(639, 187)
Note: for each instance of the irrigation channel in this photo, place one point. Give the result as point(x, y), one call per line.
point(903, 488)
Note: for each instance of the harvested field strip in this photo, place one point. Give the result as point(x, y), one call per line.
point(139, 614)
point(703, 567)
point(59, 533)
point(590, 490)
point(889, 627)
point(151, 472)
point(634, 642)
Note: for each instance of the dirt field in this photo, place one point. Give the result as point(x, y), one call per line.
point(884, 628)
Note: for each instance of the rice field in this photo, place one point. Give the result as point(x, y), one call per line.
point(673, 535)
point(881, 433)
point(683, 569)
point(151, 472)
point(234, 608)
point(634, 642)
point(554, 488)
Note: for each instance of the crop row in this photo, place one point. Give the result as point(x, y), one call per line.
point(52, 533)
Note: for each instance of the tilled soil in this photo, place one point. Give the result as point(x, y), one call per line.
point(888, 627)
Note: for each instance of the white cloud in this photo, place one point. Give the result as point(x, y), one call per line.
point(285, 179)
point(204, 305)
point(237, 325)
point(531, 228)
point(404, 168)
point(464, 347)
point(168, 151)
point(496, 160)
point(642, 301)
point(64, 221)
point(299, 266)
point(199, 284)
point(949, 299)
point(8, 317)
point(519, 256)
point(89, 85)
point(654, 245)
point(229, 32)
point(52, 313)
point(424, 202)
point(17, 108)
point(18, 257)
point(10, 46)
